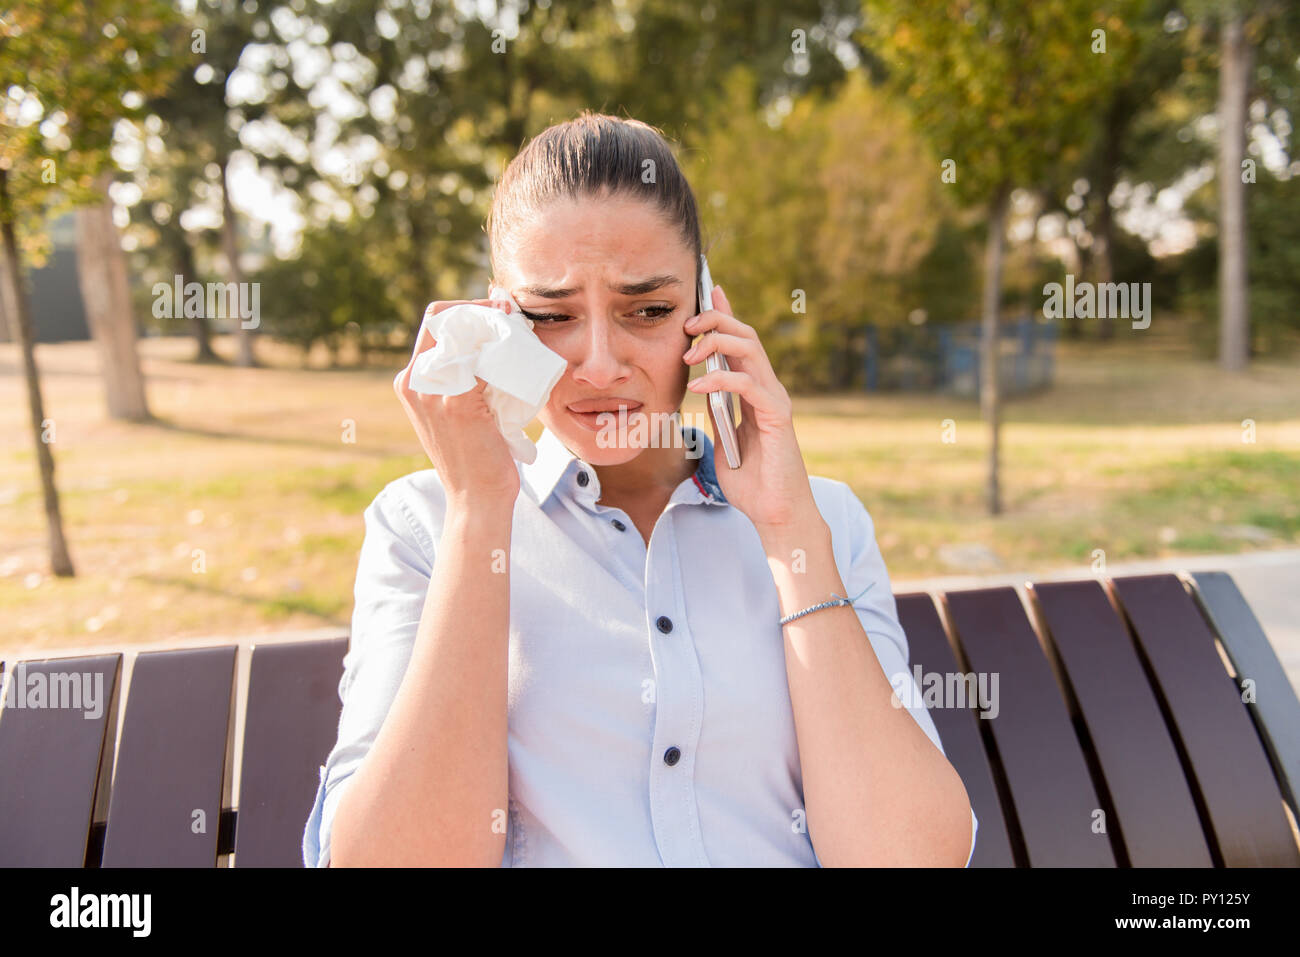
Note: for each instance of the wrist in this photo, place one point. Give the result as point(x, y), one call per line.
point(479, 515)
point(806, 529)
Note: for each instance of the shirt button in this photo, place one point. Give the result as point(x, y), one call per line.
point(665, 624)
point(672, 756)
point(582, 478)
point(617, 524)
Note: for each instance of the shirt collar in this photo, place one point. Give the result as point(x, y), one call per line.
point(556, 465)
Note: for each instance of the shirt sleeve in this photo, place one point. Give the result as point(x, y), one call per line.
point(393, 574)
point(878, 613)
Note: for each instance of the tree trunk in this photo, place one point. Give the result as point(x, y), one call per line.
point(198, 324)
point(7, 333)
point(1103, 270)
point(230, 247)
point(16, 308)
point(1234, 88)
point(990, 347)
point(106, 293)
point(1103, 238)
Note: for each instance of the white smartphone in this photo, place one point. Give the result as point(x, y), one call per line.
point(720, 401)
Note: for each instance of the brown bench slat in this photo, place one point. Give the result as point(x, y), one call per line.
point(1053, 794)
point(1148, 790)
point(1240, 796)
point(958, 728)
point(172, 759)
point(291, 725)
point(1276, 709)
point(56, 763)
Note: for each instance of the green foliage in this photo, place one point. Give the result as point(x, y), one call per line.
point(467, 89)
point(331, 293)
point(68, 72)
point(1008, 90)
point(1273, 260)
point(945, 283)
point(831, 209)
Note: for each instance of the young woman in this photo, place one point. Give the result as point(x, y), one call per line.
point(583, 660)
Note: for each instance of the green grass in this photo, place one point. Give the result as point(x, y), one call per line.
point(1136, 451)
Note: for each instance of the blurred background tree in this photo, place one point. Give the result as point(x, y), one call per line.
point(1008, 94)
point(818, 223)
point(69, 74)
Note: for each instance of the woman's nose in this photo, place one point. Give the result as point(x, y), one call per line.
point(599, 363)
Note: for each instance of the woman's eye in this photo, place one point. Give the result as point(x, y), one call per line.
point(648, 313)
point(544, 316)
point(657, 312)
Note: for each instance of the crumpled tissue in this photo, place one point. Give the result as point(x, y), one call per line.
point(499, 348)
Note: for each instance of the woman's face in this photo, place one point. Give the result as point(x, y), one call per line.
point(608, 285)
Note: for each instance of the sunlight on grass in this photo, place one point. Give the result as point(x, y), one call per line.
point(240, 511)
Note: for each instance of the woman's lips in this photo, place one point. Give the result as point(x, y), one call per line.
point(595, 421)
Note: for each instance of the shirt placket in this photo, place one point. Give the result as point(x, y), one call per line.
point(679, 700)
point(614, 531)
point(678, 681)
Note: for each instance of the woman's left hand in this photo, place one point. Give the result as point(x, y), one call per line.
point(771, 486)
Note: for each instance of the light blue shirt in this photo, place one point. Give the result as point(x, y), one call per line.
point(650, 721)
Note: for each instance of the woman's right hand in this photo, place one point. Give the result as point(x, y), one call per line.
point(459, 433)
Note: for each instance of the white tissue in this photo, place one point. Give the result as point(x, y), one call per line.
point(499, 348)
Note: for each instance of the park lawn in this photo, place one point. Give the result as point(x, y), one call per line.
point(239, 511)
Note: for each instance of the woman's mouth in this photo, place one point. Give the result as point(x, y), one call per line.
point(602, 414)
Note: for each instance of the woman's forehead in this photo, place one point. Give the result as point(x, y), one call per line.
point(571, 252)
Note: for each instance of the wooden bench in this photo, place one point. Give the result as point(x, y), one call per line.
point(1120, 736)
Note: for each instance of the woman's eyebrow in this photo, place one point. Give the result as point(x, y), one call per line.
point(627, 289)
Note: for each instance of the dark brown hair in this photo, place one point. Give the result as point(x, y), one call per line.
point(593, 154)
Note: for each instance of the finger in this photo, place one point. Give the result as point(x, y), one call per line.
point(424, 338)
point(749, 389)
point(749, 355)
point(720, 302)
point(437, 307)
point(423, 342)
point(732, 380)
point(728, 345)
point(721, 321)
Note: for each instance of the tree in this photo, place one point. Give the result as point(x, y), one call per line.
point(1234, 94)
point(449, 98)
point(817, 222)
point(1145, 62)
point(1006, 92)
point(1241, 26)
point(168, 177)
point(105, 290)
point(67, 74)
point(198, 116)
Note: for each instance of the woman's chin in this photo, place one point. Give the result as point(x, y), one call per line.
point(606, 444)
point(600, 448)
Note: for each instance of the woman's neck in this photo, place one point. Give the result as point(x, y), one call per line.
point(647, 481)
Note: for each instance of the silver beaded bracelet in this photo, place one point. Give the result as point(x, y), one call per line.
point(835, 600)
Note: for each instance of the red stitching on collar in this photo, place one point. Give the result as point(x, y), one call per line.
point(703, 491)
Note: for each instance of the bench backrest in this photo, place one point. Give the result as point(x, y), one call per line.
point(1114, 735)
